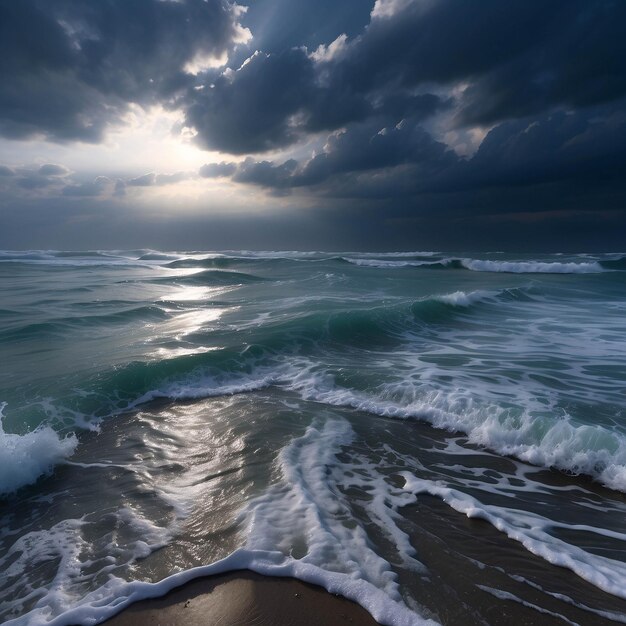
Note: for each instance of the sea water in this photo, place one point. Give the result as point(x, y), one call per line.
point(439, 437)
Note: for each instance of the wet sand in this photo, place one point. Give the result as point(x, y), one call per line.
point(243, 598)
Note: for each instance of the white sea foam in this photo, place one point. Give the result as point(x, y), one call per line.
point(505, 595)
point(581, 449)
point(297, 528)
point(385, 263)
point(117, 593)
point(531, 267)
point(531, 530)
point(206, 386)
point(306, 509)
point(611, 615)
point(479, 265)
point(464, 299)
point(66, 598)
point(24, 458)
point(541, 440)
point(414, 253)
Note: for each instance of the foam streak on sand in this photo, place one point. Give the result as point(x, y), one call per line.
point(531, 531)
point(117, 594)
point(304, 508)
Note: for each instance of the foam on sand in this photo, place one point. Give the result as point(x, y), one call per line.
point(531, 530)
point(303, 508)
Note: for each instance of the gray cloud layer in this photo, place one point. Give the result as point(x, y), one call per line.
point(428, 109)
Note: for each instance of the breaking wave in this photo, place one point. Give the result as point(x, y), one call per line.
point(24, 458)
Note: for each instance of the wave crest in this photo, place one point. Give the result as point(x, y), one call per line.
point(532, 267)
point(29, 456)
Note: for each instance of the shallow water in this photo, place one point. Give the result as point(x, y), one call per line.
point(435, 436)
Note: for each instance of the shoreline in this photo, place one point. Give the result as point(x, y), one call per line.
point(243, 597)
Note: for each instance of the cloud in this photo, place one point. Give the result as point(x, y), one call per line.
point(171, 179)
point(418, 111)
point(250, 110)
point(75, 65)
point(265, 173)
point(365, 161)
point(587, 146)
point(119, 191)
point(275, 100)
point(88, 189)
point(279, 25)
point(52, 169)
point(34, 181)
point(488, 61)
point(146, 180)
point(33, 178)
point(218, 170)
point(152, 179)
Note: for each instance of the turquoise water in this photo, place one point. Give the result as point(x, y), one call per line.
point(265, 402)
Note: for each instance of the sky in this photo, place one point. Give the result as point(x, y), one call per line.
point(302, 124)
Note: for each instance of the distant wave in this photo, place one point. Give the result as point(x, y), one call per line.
point(158, 256)
point(385, 262)
point(477, 265)
point(531, 267)
point(54, 258)
point(209, 262)
point(59, 327)
point(210, 277)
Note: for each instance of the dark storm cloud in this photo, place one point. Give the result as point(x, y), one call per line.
point(515, 59)
point(577, 63)
point(518, 57)
point(584, 145)
point(587, 146)
point(557, 110)
point(364, 148)
point(266, 174)
point(425, 115)
point(249, 110)
point(70, 67)
point(361, 148)
point(279, 25)
point(274, 100)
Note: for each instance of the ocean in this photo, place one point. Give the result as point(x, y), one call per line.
point(439, 437)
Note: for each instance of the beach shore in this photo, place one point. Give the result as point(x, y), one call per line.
point(244, 598)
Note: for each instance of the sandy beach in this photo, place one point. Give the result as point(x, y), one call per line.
point(242, 598)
